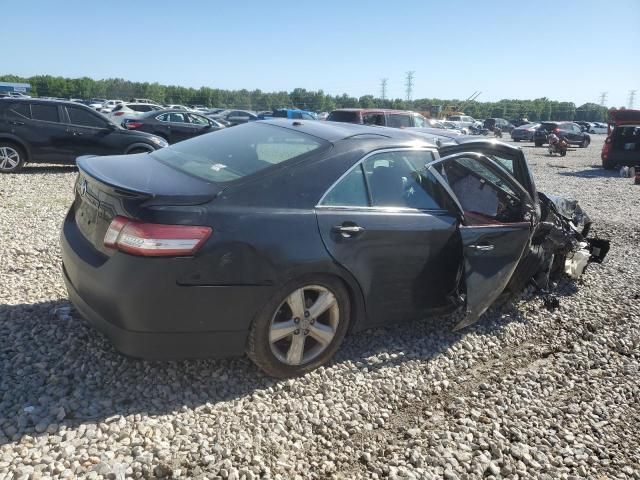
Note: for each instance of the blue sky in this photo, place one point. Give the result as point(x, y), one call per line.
point(566, 50)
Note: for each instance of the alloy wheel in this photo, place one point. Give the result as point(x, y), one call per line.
point(9, 158)
point(304, 325)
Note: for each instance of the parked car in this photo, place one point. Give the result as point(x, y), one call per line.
point(622, 145)
point(173, 125)
point(492, 123)
point(109, 105)
point(380, 117)
point(126, 111)
point(597, 127)
point(235, 117)
point(292, 113)
point(584, 126)
point(567, 130)
point(144, 100)
point(462, 122)
point(277, 238)
point(524, 132)
point(519, 122)
point(177, 107)
point(52, 131)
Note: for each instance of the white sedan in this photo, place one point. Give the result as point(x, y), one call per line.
point(597, 127)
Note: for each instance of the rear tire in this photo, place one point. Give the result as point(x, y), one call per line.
point(608, 165)
point(538, 144)
point(12, 157)
point(563, 153)
point(585, 143)
point(516, 139)
point(284, 322)
point(139, 150)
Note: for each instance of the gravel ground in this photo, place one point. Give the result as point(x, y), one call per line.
point(526, 393)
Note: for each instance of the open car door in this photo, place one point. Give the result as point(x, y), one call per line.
point(497, 218)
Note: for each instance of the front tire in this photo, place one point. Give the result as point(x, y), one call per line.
point(301, 327)
point(585, 143)
point(12, 157)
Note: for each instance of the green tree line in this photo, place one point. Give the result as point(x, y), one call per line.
point(117, 88)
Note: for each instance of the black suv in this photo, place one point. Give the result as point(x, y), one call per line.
point(567, 130)
point(52, 131)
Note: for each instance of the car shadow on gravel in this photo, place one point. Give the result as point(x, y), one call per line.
point(35, 169)
point(593, 172)
point(55, 370)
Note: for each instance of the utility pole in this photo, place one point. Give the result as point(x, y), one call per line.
point(603, 98)
point(409, 85)
point(632, 94)
point(383, 89)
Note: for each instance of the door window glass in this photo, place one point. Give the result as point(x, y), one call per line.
point(351, 191)
point(79, 116)
point(19, 110)
point(47, 113)
point(400, 179)
point(373, 119)
point(398, 121)
point(163, 118)
point(419, 121)
point(198, 120)
point(178, 118)
point(485, 197)
point(307, 116)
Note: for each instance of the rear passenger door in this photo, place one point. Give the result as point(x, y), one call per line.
point(49, 137)
point(393, 227)
point(179, 127)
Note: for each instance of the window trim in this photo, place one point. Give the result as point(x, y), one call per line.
point(61, 113)
point(372, 207)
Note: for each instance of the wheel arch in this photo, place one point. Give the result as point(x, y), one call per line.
point(18, 142)
point(358, 313)
point(144, 145)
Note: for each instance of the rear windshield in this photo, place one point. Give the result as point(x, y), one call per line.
point(233, 153)
point(549, 126)
point(341, 116)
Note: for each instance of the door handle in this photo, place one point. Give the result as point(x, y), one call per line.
point(348, 231)
point(483, 247)
point(12, 122)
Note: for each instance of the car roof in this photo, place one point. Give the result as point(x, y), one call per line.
point(371, 110)
point(336, 131)
point(43, 101)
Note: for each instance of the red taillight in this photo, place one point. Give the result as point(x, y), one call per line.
point(132, 125)
point(117, 114)
point(153, 239)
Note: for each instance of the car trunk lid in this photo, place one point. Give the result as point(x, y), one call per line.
point(137, 187)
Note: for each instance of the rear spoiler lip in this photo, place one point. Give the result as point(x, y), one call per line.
point(153, 198)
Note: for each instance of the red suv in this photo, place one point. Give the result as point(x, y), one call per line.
point(378, 116)
point(622, 146)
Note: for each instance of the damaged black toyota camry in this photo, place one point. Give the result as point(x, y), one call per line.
point(277, 238)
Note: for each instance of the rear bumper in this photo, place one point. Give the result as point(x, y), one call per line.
point(139, 305)
point(623, 159)
point(159, 345)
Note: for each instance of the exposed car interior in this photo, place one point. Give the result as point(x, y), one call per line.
point(484, 197)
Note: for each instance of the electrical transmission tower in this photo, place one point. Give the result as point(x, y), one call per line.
point(603, 98)
point(409, 84)
point(383, 89)
point(632, 95)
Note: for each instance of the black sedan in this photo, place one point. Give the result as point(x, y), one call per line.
point(173, 125)
point(276, 238)
point(570, 131)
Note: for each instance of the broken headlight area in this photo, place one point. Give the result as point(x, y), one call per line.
point(559, 245)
